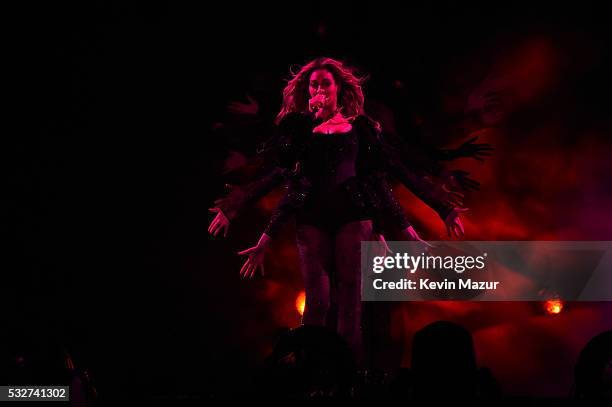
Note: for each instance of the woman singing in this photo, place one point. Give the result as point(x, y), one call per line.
point(334, 162)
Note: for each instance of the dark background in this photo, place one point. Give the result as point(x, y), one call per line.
point(112, 166)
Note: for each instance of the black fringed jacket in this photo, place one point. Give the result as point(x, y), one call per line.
point(284, 155)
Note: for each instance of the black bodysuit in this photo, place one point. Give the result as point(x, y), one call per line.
point(332, 179)
point(335, 196)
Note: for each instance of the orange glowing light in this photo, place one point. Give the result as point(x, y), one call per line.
point(553, 306)
point(300, 302)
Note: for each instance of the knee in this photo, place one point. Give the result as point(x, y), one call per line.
point(348, 289)
point(348, 277)
point(349, 292)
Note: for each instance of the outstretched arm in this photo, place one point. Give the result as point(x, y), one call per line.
point(241, 197)
point(290, 203)
point(286, 209)
point(436, 194)
point(446, 202)
point(389, 216)
point(469, 149)
point(281, 153)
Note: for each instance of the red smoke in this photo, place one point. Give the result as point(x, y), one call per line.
point(547, 180)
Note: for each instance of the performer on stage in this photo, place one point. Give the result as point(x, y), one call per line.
point(334, 162)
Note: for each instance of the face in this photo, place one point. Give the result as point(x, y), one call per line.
point(322, 82)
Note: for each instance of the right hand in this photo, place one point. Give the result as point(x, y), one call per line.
point(219, 224)
point(228, 202)
point(251, 108)
point(254, 262)
point(410, 234)
point(316, 104)
point(381, 248)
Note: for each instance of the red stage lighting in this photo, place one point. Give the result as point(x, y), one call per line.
point(300, 302)
point(553, 307)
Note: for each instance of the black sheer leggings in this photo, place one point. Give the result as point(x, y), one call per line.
point(320, 252)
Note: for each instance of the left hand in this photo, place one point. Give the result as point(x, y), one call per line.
point(491, 100)
point(442, 193)
point(246, 109)
point(474, 150)
point(461, 179)
point(453, 222)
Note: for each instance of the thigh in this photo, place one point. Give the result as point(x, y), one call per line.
point(348, 250)
point(315, 248)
